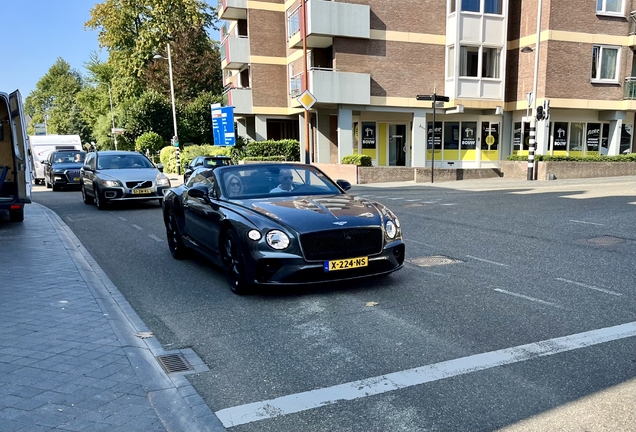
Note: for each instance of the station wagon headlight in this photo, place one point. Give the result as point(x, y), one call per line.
point(277, 239)
point(162, 180)
point(391, 229)
point(110, 183)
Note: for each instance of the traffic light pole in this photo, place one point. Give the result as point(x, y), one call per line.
point(531, 147)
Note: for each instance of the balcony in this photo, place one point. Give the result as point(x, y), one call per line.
point(332, 87)
point(326, 20)
point(232, 9)
point(629, 88)
point(240, 99)
point(235, 52)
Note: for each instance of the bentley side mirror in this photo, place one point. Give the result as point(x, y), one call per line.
point(345, 185)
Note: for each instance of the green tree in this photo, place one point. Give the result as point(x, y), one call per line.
point(197, 119)
point(54, 99)
point(152, 112)
point(132, 31)
point(149, 141)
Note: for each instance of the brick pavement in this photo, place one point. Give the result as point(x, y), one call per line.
point(71, 355)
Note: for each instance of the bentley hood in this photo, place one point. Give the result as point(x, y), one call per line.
point(320, 212)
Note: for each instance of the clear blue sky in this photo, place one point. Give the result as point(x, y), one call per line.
point(34, 33)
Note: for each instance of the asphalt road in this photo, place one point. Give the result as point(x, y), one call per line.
point(516, 311)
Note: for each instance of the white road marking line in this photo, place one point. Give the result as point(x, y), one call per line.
point(304, 401)
point(398, 198)
point(587, 223)
point(122, 218)
point(449, 204)
point(418, 242)
point(429, 202)
point(536, 300)
point(488, 261)
point(138, 227)
point(376, 197)
point(414, 200)
point(154, 237)
point(590, 287)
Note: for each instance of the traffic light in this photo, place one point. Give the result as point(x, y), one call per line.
point(540, 113)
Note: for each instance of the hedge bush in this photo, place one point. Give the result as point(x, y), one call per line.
point(289, 149)
point(596, 158)
point(358, 159)
point(169, 161)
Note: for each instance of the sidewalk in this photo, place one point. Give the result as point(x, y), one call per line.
point(74, 355)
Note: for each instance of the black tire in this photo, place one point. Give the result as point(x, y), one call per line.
point(160, 202)
point(100, 201)
point(16, 215)
point(177, 248)
point(234, 263)
point(55, 187)
point(87, 199)
point(47, 184)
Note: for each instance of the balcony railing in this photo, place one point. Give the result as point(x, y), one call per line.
point(235, 52)
point(296, 85)
point(293, 22)
point(629, 88)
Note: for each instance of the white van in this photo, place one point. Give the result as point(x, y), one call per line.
point(42, 145)
point(15, 166)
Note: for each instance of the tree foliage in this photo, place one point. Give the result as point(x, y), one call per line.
point(149, 141)
point(133, 30)
point(54, 99)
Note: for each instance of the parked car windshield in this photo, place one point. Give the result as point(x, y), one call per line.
point(258, 181)
point(126, 161)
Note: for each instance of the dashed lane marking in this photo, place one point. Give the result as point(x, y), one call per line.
point(294, 403)
point(587, 223)
point(606, 291)
point(532, 299)
point(137, 227)
point(155, 238)
point(488, 261)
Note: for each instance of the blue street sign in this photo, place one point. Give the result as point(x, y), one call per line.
point(223, 125)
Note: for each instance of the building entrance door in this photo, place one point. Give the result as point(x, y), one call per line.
point(490, 141)
point(398, 145)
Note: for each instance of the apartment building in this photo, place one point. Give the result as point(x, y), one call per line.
point(367, 60)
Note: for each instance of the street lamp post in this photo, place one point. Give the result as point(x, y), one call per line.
point(175, 138)
point(112, 115)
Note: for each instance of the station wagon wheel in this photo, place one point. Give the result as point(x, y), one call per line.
point(234, 263)
point(175, 241)
point(87, 199)
point(100, 202)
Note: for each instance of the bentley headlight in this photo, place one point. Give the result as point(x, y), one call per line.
point(110, 183)
point(391, 229)
point(277, 239)
point(162, 180)
point(397, 222)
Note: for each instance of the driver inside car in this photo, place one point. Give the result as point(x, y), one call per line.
point(286, 181)
point(233, 185)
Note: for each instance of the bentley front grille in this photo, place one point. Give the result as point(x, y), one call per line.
point(341, 243)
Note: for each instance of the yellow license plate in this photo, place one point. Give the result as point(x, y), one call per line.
point(75, 178)
point(141, 191)
point(346, 264)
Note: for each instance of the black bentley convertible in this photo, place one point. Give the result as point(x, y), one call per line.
point(281, 223)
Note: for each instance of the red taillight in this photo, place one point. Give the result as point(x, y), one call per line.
point(15, 207)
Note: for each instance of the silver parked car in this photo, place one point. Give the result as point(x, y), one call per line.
point(109, 176)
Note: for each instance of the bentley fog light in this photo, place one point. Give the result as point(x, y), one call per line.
point(391, 229)
point(397, 222)
point(277, 240)
point(254, 235)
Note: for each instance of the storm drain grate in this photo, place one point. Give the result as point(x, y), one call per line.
point(606, 240)
point(435, 260)
point(174, 363)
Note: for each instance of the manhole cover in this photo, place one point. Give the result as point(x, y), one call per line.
point(174, 363)
point(606, 240)
point(435, 260)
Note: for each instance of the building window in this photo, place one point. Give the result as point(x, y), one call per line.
point(490, 63)
point(470, 5)
point(492, 7)
point(612, 7)
point(489, 6)
point(604, 63)
point(451, 6)
point(469, 61)
point(450, 72)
